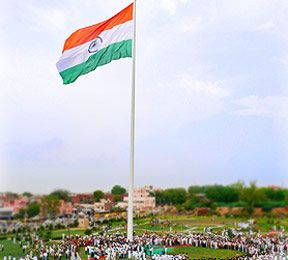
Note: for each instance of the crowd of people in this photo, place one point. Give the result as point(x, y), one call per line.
point(254, 245)
point(155, 246)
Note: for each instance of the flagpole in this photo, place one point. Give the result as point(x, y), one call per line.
point(132, 134)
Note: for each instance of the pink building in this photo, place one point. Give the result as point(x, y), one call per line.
point(103, 205)
point(65, 207)
point(16, 204)
point(143, 201)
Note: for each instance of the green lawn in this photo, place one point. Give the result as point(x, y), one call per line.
point(82, 253)
point(57, 234)
point(198, 223)
point(194, 253)
point(265, 225)
point(206, 253)
point(10, 249)
point(182, 223)
point(159, 228)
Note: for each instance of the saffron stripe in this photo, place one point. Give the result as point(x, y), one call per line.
point(89, 33)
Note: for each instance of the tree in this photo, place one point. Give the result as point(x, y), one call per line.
point(192, 190)
point(33, 209)
point(98, 195)
point(117, 198)
point(61, 194)
point(118, 190)
point(88, 232)
point(50, 206)
point(175, 196)
point(251, 195)
point(21, 214)
point(27, 194)
point(274, 194)
point(220, 193)
point(160, 197)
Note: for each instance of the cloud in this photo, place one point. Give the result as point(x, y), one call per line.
point(172, 5)
point(266, 26)
point(46, 18)
point(178, 102)
point(231, 16)
point(270, 106)
point(208, 89)
point(32, 152)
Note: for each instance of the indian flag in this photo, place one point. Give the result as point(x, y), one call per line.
point(97, 45)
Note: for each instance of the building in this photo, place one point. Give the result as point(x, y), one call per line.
point(143, 201)
point(16, 203)
point(65, 207)
point(6, 213)
point(103, 205)
point(82, 198)
point(83, 221)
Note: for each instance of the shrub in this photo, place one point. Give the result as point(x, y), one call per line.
point(88, 232)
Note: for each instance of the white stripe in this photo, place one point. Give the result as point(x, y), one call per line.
point(80, 54)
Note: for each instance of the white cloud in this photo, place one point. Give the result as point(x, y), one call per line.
point(270, 106)
point(208, 89)
point(230, 16)
point(178, 102)
point(172, 5)
point(51, 19)
point(266, 26)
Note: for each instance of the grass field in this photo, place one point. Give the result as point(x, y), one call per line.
point(206, 253)
point(185, 223)
point(57, 234)
point(195, 253)
point(10, 249)
point(82, 254)
point(178, 223)
point(188, 223)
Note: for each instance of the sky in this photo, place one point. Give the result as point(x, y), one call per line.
point(211, 96)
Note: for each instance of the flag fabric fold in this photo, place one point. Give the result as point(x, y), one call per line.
point(96, 45)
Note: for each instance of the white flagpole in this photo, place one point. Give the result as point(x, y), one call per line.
point(132, 132)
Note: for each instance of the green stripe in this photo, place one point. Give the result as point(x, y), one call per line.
point(114, 51)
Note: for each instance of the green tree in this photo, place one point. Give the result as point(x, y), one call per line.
point(192, 190)
point(175, 196)
point(21, 214)
point(220, 193)
point(239, 185)
point(88, 232)
point(50, 205)
point(61, 194)
point(33, 209)
point(118, 190)
point(274, 194)
point(117, 198)
point(160, 197)
point(251, 195)
point(27, 194)
point(30, 211)
point(98, 195)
